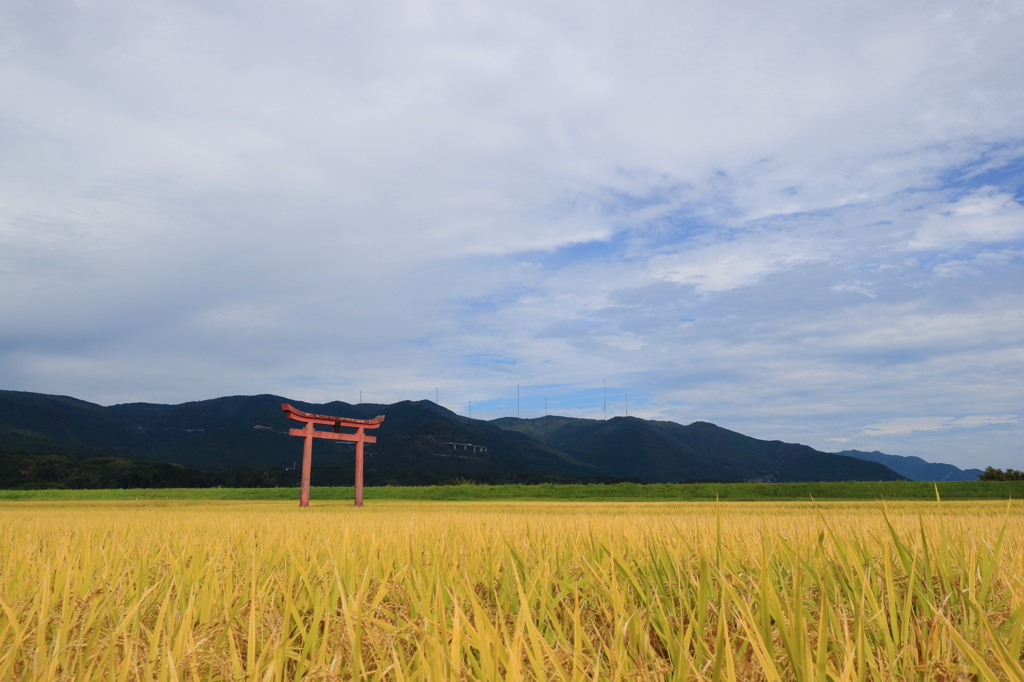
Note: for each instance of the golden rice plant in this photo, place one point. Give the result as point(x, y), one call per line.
point(508, 591)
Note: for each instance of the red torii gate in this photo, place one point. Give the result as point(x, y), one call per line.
point(309, 433)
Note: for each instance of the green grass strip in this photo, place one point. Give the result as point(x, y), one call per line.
point(853, 490)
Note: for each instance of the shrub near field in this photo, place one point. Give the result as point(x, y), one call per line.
point(517, 590)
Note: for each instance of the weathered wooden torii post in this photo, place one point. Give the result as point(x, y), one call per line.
point(309, 433)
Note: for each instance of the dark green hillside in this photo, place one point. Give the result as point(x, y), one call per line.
point(420, 434)
point(414, 436)
point(666, 451)
point(251, 432)
point(23, 440)
point(36, 422)
point(775, 460)
point(418, 442)
point(626, 446)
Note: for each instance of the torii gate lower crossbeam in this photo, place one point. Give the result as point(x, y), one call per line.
point(309, 433)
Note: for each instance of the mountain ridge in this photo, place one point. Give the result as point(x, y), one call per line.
point(700, 450)
point(416, 436)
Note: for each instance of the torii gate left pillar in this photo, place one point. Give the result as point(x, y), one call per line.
point(309, 433)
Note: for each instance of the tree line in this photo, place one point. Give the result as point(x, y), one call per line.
point(992, 474)
point(35, 471)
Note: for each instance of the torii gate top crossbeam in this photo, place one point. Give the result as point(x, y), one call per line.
point(327, 420)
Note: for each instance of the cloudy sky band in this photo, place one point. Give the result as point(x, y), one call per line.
point(799, 221)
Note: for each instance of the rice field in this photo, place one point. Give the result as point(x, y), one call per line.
point(203, 590)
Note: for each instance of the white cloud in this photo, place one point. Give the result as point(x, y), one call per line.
point(891, 427)
point(979, 263)
point(857, 287)
point(987, 215)
point(743, 260)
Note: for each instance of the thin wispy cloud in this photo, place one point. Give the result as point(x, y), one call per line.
point(800, 221)
point(912, 424)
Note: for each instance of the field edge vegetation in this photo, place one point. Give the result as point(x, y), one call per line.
point(850, 490)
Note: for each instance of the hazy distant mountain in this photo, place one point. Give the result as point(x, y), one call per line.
point(418, 440)
point(915, 468)
point(666, 451)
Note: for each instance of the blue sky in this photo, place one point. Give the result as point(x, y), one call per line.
point(797, 220)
